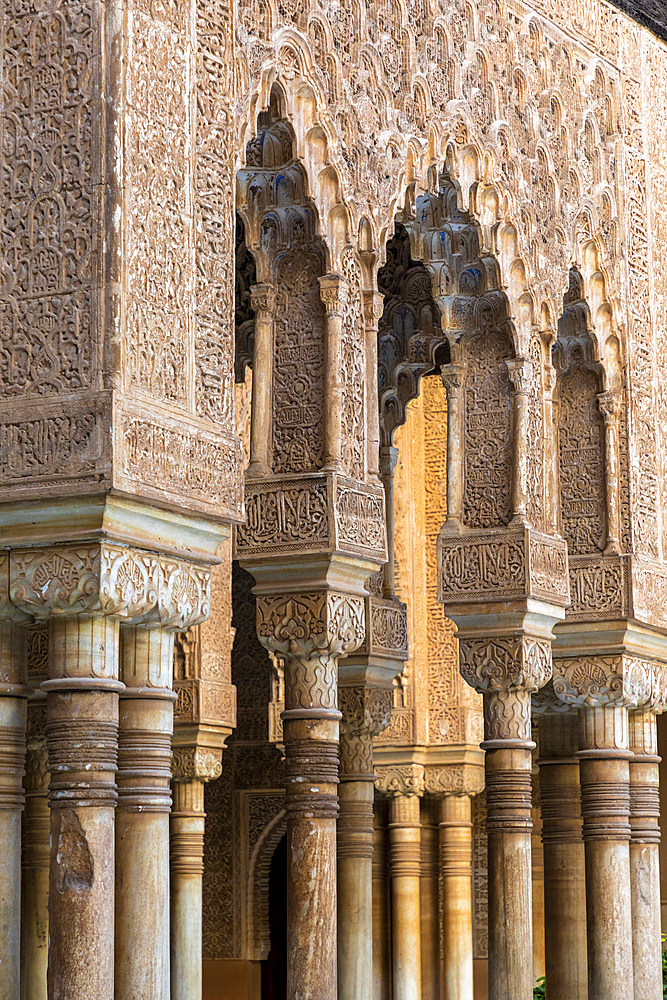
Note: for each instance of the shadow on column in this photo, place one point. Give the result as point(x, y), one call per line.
point(274, 968)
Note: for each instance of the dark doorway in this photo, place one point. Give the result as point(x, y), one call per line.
point(274, 969)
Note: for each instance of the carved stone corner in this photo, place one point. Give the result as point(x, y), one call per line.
point(400, 779)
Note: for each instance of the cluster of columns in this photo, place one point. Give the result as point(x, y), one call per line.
point(85, 897)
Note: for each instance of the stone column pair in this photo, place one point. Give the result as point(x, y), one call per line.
point(617, 696)
point(108, 744)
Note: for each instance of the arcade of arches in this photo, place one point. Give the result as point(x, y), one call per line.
point(333, 499)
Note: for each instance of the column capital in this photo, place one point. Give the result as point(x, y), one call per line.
point(365, 713)
point(609, 405)
point(400, 779)
point(520, 372)
point(621, 681)
point(505, 663)
point(104, 578)
point(373, 308)
point(263, 299)
point(452, 378)
point(454, 779)
point(196, 763)
point(333, 292)
point(307, 625)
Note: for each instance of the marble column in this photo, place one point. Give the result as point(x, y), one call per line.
point(520, 373)
point(263, 301)
point(429, 900)
point(82, 739)
point(310, 630)
point(13, 697)
point(605, 806)
point(644, 856)
point(193, 767)
point(333, 292)
point(35, 865)
point(564, 862)
point(142, 817)
point(537, 872)
point(365, 712)
point(453, 379)
point(404, 872)
point(507, 670)
point(381, 905)
point(456, 875)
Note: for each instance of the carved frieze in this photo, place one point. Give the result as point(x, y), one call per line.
point(503, 565)
point(599, 587)
point(320, 512)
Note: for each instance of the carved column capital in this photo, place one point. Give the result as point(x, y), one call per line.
point(365, 713)
point(453, 376)
point(333, 292)
point(116, 580)
point(196, 763)
point(609, 406)
point(520, 373)
point(263, 300)
point(388, 460)
point(504, 663)
point(305, 626)
point(620, 680)
point(400, 779)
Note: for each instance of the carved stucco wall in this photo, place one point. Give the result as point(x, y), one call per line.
point(547, 123)
point(440, 708)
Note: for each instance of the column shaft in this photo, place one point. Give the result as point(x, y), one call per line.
point(644, 857)
point(35, 868)
point(142, 819)
point(355, 889)
point(537, 870)
point(605, 806)
point(311, 804)
point(82, 739)
point(429, 916)
point(263, 301)
point(564, 861)
point(404, 868)
point(456, 875)
point(12, 761)
point(187, 871)
point(381, 907)
point(508, 765)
